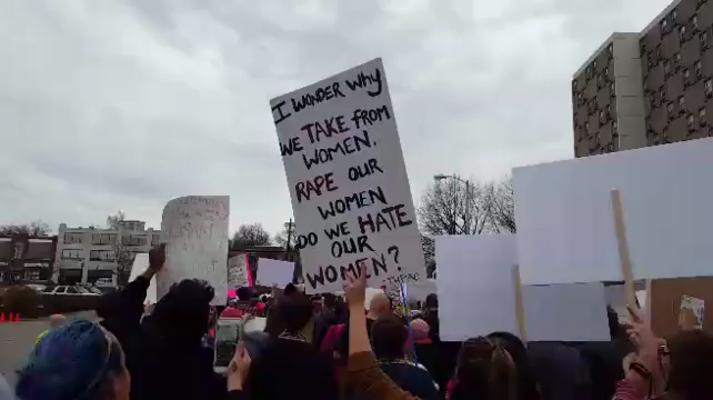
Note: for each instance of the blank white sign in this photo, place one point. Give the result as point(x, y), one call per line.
point(274, 272)
point(476, 291)
point(564, 217)
point(476, 295)
point(567, 312)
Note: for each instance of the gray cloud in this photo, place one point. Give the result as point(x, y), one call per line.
point(123, 105)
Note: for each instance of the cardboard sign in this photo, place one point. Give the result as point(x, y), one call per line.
point(564, 214)
point(347, 180)
point(238, 271)
point(274, 272)
point(195, 230)
point(477, 295)
point(668, 302)
point(141, 262)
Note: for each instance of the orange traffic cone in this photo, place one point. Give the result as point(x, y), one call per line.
point(17, 317)
point(10, 317)
point(2, 317)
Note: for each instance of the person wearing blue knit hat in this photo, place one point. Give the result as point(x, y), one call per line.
point(80, 360)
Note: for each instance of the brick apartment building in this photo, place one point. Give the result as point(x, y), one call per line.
point(648, 88)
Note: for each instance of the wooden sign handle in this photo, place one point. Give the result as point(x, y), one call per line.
point(623, 245)
point(519, 305)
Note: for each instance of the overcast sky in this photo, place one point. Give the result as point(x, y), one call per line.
point(108, 105)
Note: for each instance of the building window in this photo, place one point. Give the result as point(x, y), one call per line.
point(691, 120)
point(667, 67)
point(614, 130)
point(674, 14)
point(694, 21)
point(611, 87)
point(135, 240)
point(682, 33)
point(709, 88)
point(699, 69)
point(610, 48)
point(702, 116)
point(101, 255)
point(664, 26)
point(103, 239)
point(669, 110)
point(155, 239)
point(658, 52)
point(72, 254)
point(72, 238)
point(677, 59)
point(662, 93)
point(704, 40)
point(681, 104)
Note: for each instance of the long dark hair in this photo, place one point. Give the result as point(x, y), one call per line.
point(485, 371)
point(526, 381)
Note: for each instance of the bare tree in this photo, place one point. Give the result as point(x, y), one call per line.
point(456, 208)
point(503, 206)
point(429, 254)
point(36, 228)
point(114, 221)
point(123, 258)
point(249, 236)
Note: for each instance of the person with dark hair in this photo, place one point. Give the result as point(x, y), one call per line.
point(326, 318)
point(389, 337)
point(291, 367)
point(678, 369)
point(485, 370)
point(165, 348)
point(526, 382)
point(78, 360)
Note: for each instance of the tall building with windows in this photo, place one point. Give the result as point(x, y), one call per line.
point(607, 98)
point(667, 98)
point(89, 255)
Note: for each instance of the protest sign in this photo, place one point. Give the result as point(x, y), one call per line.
point(575, 312)
point(238, 271)
point(195, 230)
point(691, 313)
point(141, 263)
point(566, 232)
point(680, 303)
point(347, 180)
point(274, 272)
point(477, 295)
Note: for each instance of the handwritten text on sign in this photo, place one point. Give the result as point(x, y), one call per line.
point(195, 230)
point(347, 179)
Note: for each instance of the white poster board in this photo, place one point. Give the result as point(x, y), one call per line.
point(347, 180)
point(476, 290)
point(238, 271)
point(476, 295)
point(141, 263)
point(575, 312)
point(195, 230)
point(274, 272)
point(564, 216)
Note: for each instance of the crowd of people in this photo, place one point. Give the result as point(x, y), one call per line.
point(341, 351)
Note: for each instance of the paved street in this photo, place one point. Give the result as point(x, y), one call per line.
point(17, 340)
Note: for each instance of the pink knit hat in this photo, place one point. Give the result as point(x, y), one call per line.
point(420, 330)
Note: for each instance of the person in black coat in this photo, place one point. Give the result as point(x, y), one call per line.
point(163, 352)
point(389, 337)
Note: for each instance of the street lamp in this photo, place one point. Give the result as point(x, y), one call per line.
point(441, 177)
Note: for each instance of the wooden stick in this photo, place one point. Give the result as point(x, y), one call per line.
point(519, 305)
point(623, 245)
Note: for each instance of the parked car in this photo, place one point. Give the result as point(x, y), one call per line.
point(69, 291)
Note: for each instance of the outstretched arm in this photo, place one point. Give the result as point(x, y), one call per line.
point(363, 372)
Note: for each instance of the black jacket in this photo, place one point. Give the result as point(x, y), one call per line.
point(160, 368)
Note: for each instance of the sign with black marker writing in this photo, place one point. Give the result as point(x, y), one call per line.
point(195, 230)
point(347, 179)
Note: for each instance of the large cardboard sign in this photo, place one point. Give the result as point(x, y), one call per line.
point(195, 230)
point(346, 175)
point(564, 215)
point(477, 295)
point(274, 272)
